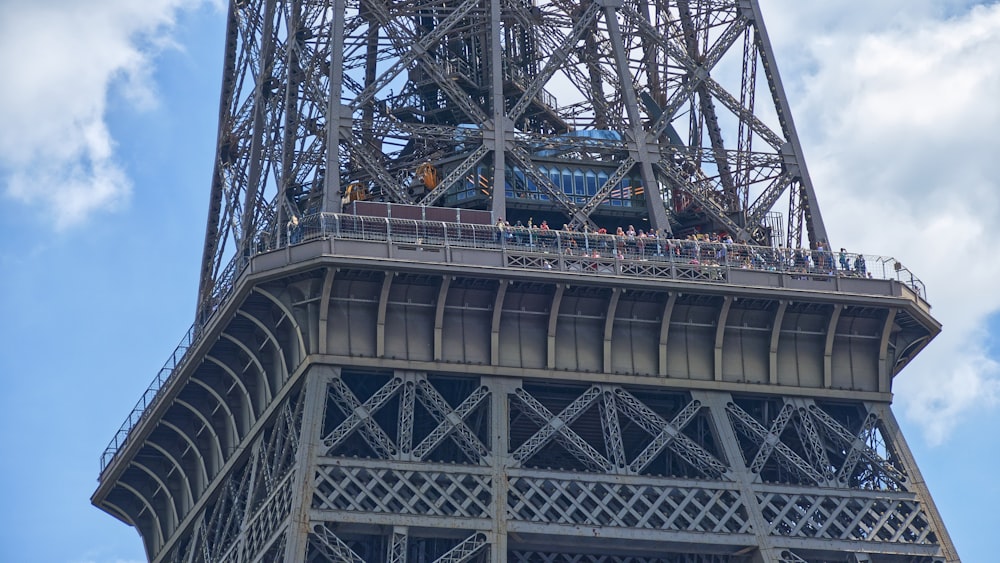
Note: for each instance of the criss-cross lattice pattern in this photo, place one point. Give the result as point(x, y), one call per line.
point(426, 493)
point(803, 443)
point(610, 451)
point(893, 520)
point(598, 503)
point(249, 516)
point(386, 423)
point(325, 543)
point(544, 557)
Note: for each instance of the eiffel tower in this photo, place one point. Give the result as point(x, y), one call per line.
point(420, 337)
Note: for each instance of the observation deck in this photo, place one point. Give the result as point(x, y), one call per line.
point(392, 295)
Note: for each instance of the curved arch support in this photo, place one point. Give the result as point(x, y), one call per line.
point(120, 512)
point(288, 314)
point(383, 304)
point(609, 327)
point(256, 362)
point(831, 333)
point(779, 318)
point(158, 532)
point(220, 456)
point(550, 361)
point(324, 308)
point(439, 317)
point(188, 492)
point(173, 514)
point(495, 323)
point(194, 448)
point(234, 434)
point(884, 386)
point(283, 376)
point(250, 411)
point(720, 335)
point(668, 312)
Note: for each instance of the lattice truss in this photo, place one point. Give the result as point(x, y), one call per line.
point(248, 518)
point(398, 547)
point(412, 445)
point(678, 102)
point(544, 557)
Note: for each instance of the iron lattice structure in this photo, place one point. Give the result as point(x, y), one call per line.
point(587, 113)
point(370, 380)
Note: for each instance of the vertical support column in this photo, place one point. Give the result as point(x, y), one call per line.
point(324, 310)
point(884, 385)
point(720, 335)
point(498, 205)
point(334, 111)
point(550, 361)
point(404, 424)
point(716, 403)
point(495, 323)
point(317, 380)
point(816, 226)
point(609, 327)
point(668, 312)
point(640, 150)
point(248, 222)
point(383, 304)
point(831, 332)
point(398, 543)
point(290, 130)
point(779, 318)
point(501, 389)
point(439, 317)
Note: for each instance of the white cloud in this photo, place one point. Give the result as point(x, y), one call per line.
point(63, 59)
point(899, 121)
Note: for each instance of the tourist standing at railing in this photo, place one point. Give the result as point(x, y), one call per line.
point(860, 267)
point(844, 264)
point(294, 230)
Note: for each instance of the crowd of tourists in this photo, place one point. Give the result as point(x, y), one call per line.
point(709, 249)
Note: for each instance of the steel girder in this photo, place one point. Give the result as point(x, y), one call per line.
point(484, 87)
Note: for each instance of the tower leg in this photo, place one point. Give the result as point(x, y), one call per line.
point(317, 380)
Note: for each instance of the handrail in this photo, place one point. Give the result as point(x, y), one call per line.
point(532, 248)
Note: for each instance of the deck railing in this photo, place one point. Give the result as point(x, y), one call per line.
point(538, 249)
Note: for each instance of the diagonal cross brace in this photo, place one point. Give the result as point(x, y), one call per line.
point(557, 427)
point(360, 415)
point(857, 447)
point(455, 175)
point(668, 434)
point(465, 550)
point(418, 49)
point(451, 422)
point(768, 440)
point(555, 61)
point(332, 548)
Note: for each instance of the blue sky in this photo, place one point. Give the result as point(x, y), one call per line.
point(107, 131)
